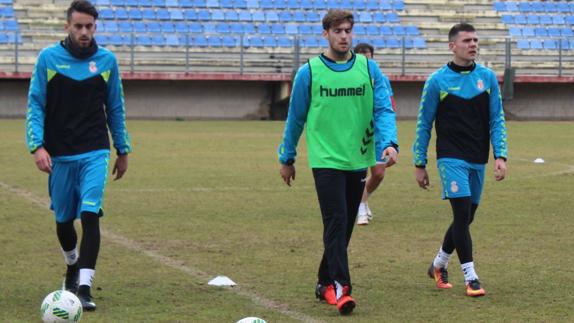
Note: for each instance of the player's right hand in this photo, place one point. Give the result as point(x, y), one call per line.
point(422, 177)
point(43, 160)
point(287, 172)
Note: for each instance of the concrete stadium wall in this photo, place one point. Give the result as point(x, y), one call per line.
point(190, 99)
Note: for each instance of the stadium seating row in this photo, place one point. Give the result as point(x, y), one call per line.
point(9, 37)
point(6, 12)
point(6, 2)
point(159, 39)
point(540, 32)
point(535, 6)
point(247, 28)
point(551, 44)
point(235, 15)
point(538, 19)
point(11, 25)
point(253, 4)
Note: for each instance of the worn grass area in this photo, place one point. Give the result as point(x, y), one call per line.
point(208, 196)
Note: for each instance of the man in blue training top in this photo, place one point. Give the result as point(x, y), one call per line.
point(342, 99)
point(365, 215)
point(67, 132)
point(463, 99)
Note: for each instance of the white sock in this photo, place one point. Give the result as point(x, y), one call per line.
point(442, 258)
point(363, 208)
point(70, 257)
point(468, 270)
point(87, 276)
point(338, 289)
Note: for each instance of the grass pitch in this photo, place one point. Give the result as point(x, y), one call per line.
point(202, 199)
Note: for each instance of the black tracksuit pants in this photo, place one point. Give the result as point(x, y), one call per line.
point(339, 194)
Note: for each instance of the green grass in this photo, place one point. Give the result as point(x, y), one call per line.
point(208, 196)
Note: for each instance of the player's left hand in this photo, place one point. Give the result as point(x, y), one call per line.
point(499, 169)
point(392, 155)
point(120, 167)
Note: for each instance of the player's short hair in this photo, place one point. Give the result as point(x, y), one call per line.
point(82, 6)
point(463, 26)
point(364, 48)
point(335, 17)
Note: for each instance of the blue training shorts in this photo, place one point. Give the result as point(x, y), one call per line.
point(77, 184)
point(461, 179)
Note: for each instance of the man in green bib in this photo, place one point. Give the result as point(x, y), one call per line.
point(350, 124)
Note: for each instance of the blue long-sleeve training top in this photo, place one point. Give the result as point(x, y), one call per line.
point(72, 102)
point(384, 115)
point(466, 107)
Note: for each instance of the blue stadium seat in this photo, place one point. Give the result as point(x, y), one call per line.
point(158, 40)
point(379, 17)
point(217, 15)
point(245, 16)
point(523, 44)
point(566, 32)
point(163, 14)
point(222, 28)
point(135, 14)
point(532, 19)
point(524, 7)
point(386, 31)
point(319, 5)
point(209, 28)
point(254, 41)
point(359, 30)
point(143, 40)
point(419, 43)
point(148, 14)
point(550, 6)
point(100, 3)
point(231, 15)
point(399, 30)
point(285, 16)
point(511, 6)
point(181, 27)
point(249, 29)
point(236, 28)
point(171, 3)
point(258, 15)
point(569, 19)
point(306, 4)
point(278, 29)
point(508, 19)
point(550, 44)
point(117, 3)
point(190, 14)
point(271, 16)
point(293, 4)
point(228, 4)
point(515, 31)
point(230, 41)
point(306, 30)
point(537, 6)
point(176, 13)
point(254, 4)
point(203, 14)
point(290, 29)
point(283, 41)
point(110, 26)
point(200, 3)
point(540, 32)
point(386, 5)
point(145, 3)
point(104, 14)
point(200, 41)
point(139, 27)
point(373, 5)
point(269, 41)
point(520, 19)
point(101, 39)
point(212, 3)
point(563, 7)
point(122, 14)
point(266, 4)
point(153, 27)
point(392, 17)
point(172, 40)
point(280, 4)
point(240, 4)
point(545, 20)
point(499, 6)
point(554, 32)
point(558, 20)
point(359, 5)
point(379, 43)
point(310, 42)
point(167, 27)
point(528, 32)
point(365, 16)
point(317, 29)
point(3, 38)
point(412, 30)
point(313, 16)
point(536, 44)
point(195, 28)
point(264, 28)
point(214, 41)
point(373, 30)
point(333, 4)
point(409, 43)
point(119, 40)
point(299, 16)
point(125, 26)
point(393, 42)
point(565, 44)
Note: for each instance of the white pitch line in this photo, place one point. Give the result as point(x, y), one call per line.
point(279, 188)
point(172, 263)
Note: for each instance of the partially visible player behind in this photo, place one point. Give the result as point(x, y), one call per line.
point(365, 215)
point(75, 95)
point(463, 100)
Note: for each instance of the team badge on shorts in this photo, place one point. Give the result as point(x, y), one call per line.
point(93, 67)
point(453, 187)
point(480, 85)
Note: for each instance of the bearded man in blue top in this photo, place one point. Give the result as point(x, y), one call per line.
point(75, 96)
point(463, 99)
